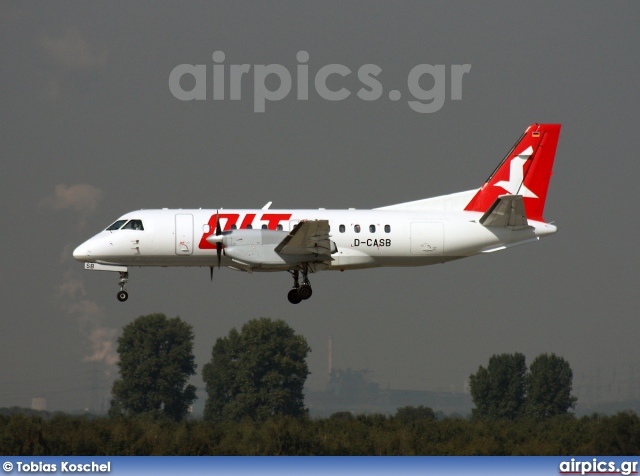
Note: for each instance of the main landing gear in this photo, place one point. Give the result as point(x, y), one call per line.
point(300, 292)
point(123, 295)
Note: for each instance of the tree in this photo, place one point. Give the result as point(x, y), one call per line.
point(499, 390)
point(257, 373)
point(549, 385)
point(410, 414)
point(156, 360)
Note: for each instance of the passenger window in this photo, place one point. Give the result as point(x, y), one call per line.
point(264, 227)
point(341, 228)
point(117, 225)
point(134, 225)
point(372, 228)
point(387, 228)
point(249, 227)
point(279, 227)
point(356, 228)
point(234, 227)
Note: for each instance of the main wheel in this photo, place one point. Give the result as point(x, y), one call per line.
point(305, 291)
point(123, 296)
point(294, 297)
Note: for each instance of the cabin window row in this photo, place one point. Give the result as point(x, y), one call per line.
point(358, 228)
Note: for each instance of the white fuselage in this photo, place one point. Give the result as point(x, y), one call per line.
point(505, 211)
point(364, 238)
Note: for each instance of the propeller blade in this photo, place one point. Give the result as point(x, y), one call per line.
point(211, 272)
point(218, 228)
point(218, 233)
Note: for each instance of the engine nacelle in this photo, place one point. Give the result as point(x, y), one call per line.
point(254, 247)
point(257, 248)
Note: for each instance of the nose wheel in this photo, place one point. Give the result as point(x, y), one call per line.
point(123, 295)
point(300, 292)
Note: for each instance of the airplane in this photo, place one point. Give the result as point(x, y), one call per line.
point(506, 211)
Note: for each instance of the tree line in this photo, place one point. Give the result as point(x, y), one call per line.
point(255, 406)
point(259, 372)
point(340, 434)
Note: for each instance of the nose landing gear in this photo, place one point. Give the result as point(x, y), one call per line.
point(300, 292)
point(123, 295)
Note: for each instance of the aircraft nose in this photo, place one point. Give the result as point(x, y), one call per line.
point(81, 253)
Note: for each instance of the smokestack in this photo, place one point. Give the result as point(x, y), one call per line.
point(330, 355)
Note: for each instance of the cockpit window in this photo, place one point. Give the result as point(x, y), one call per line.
point(133, 225)
point(117, 225)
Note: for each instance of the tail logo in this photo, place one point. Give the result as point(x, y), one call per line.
point(515, 185)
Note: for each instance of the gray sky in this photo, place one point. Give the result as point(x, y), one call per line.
point(90, 130)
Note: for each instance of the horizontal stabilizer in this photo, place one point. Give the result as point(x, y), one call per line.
point(506, 212)
point(308, 238)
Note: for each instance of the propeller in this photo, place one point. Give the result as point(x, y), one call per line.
point(218, 233)
point(218, 243)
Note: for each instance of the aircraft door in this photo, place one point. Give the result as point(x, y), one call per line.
point(427, 239)
point(184, 234)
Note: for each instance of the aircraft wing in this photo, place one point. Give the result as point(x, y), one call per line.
point(308, 238)
point(506, 212)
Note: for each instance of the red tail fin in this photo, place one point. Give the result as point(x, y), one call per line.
point(526, 171)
